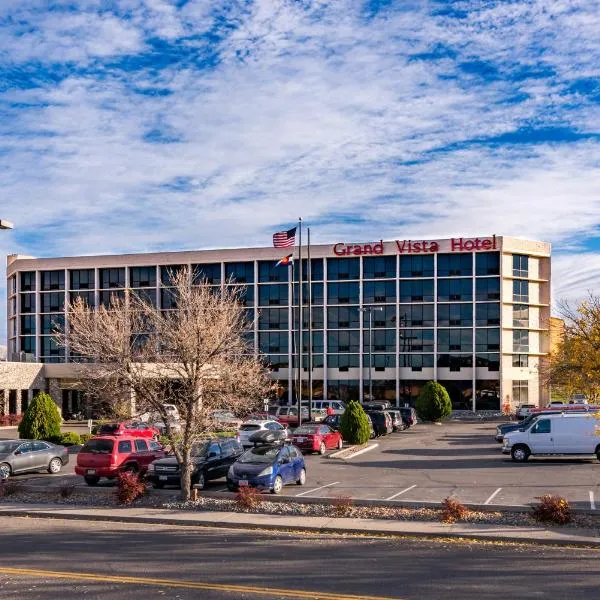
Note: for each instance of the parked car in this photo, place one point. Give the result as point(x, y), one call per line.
point(107, 456)
point(524, 411)
point(334, 422)
point(288, 415)
point(268, 468)
point(212, 459)
point(565, 433)
point(376, 405)
point(131, 428)
point(409, 416)
point(397, 422)
point(250, 427)
point(382, 421)
point(22, 456)
point(316, 438)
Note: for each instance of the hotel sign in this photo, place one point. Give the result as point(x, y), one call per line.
point(419, 246)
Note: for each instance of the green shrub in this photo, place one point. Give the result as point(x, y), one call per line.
point(434, 402)
point(41, 420)
point(354, 424)
point(84, 437)
point(70, 439)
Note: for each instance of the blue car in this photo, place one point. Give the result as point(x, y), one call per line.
point(268, 467)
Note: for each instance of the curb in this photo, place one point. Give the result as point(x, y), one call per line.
point(314, 529)
point(340, 453)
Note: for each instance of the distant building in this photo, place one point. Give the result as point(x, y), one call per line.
point(471, 313)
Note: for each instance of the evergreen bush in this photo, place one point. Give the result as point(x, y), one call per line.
point(41, 420)
point(354, 424)
point(434, 403)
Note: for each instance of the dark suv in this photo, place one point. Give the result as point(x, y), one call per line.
point(212, 459)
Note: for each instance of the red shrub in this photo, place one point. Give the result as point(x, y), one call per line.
point(129, 487)
point(552, 509)
point(453, 510)
point(249, 498)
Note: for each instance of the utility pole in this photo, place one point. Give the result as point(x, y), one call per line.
point(370, 310)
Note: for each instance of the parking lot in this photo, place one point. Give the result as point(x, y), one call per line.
point(426, 464)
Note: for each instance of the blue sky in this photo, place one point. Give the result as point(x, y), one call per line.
point(136, 125)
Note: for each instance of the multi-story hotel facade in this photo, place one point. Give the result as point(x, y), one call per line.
point(471, 313)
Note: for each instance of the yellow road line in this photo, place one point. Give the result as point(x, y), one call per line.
point(191, 585)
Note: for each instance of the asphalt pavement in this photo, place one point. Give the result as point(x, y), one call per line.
point(42, 559)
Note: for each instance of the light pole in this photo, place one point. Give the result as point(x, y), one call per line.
point(370, 310)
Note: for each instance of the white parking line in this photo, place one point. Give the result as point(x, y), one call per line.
point(492, 496)
point(412, 487)
point(317, 489)
point(592, 501)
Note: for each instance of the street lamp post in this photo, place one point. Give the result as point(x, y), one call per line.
point(370, 310)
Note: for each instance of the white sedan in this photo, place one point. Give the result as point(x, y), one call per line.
point(249, 428)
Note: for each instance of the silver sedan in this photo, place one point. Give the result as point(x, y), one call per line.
point(22, 456)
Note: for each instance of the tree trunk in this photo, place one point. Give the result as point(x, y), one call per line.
point(186, 474)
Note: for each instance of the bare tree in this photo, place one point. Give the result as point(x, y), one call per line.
point(194, 356)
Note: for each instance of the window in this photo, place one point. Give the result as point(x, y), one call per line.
point(384, 340)
point(240, 272)
point(377, 267)
point(455, 340)
point(487, 340)
point(246, 294)
point(317, 294)
point(214, 451)
point(27, 303)
point(52, 323)
point(154, 445)
point(38, 446)
point(343, 268)
point(542, 426)
point(520, 265)
point(453, 315)
point(343, 362)
point(12, 285)
point(343, 317)
point(317, 317)
point(53, 280)
point(317, 342)
point(416, 291)
point(487, 263)
point(416, 266)
point(487, 314)
point(269, 272)
point(209, 273)
point(53, 302)
point(168, 274)
point(520, 291)
point(386, 317)
point(491, 361)
point(28, 344)
point(316, 268)
point(455, 265)
point(82, 279)
point(455, 362)
point(416, 340)
point(141, 277)
point(416, 315)
point(27, 324)
point(520, 360)
point(110, 297)
point(487, 289)
point(124, 446)
point(343, 341)
point(455, 289)
point(141, 446)
point(276, 342)
point(279, 361)
point(343, 293)
point(520, 340)
point(112, 278)
point(379, 291)
point(416, 362)
point(26, 448)
point(380, 361)
point(28, 281)
point(520, 391)
point(89, 298)
point(51, 348)
point(273, 295)
point(520, 315)
point(273, 318)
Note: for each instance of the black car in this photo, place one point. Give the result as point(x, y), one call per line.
point(409, 416)
point(382, 421)
point(212, 459)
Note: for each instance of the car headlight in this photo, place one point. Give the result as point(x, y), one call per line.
point(231, 471)
point(265, 472)
point(150, 467)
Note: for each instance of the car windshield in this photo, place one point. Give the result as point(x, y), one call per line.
point(200, 449)
point(108, 428)
point(261, 455)
point(249, 427)
point(305, 429)
point(8, 447)
point(98, 447)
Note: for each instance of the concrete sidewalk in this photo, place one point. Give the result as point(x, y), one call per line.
point(530, 535)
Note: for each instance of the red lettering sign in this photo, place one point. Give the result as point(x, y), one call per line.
point(358, 249)
point(417, 247)
point(410, 247)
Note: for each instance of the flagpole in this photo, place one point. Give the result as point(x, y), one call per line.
point(310, 332)
point(299, 365)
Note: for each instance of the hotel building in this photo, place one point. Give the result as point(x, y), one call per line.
point(471, 313)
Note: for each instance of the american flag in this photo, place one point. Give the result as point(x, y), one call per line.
point(284, 239)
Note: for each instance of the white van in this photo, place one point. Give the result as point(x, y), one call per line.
point(564, 433)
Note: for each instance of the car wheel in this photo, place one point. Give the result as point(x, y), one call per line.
point(277, 485)
point(91, 479)
point(322, 448)
point(200, 481)
point(520, 453)
point(597, 455)
point(302, 479)
point(131, 468)
point(158, 485)
point(55, 466)
point(340, 444)
point(5, 471)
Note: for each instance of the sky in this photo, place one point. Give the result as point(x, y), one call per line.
point(142, 125)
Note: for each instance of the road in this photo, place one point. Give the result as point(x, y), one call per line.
point(231, 564)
